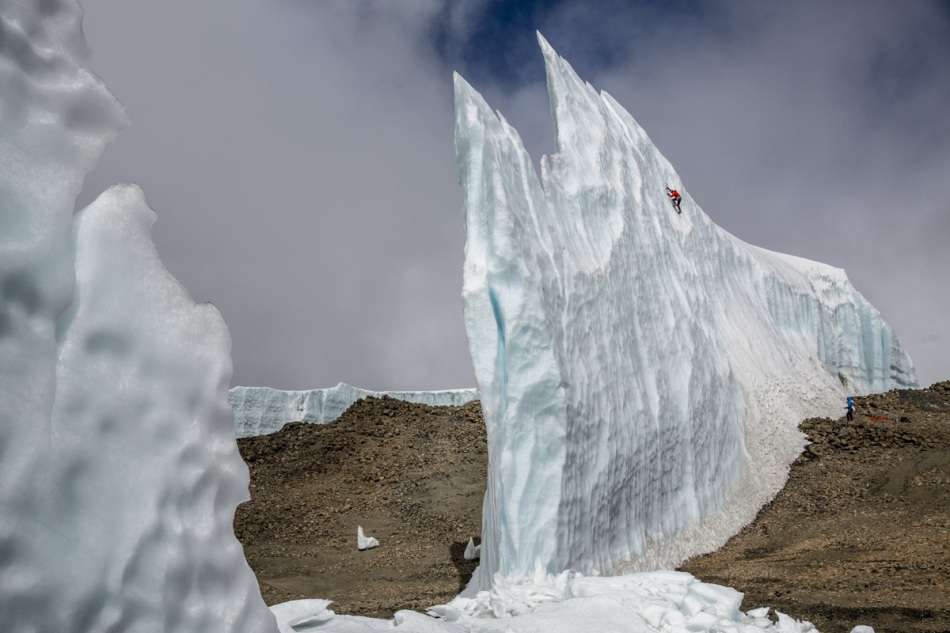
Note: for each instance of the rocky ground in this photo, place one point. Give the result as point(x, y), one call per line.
point(859, 535)
point(411, 475)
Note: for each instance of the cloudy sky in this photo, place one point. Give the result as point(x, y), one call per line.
point(299, 153)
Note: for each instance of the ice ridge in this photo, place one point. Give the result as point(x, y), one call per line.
point(641, 372)
point(262, 410)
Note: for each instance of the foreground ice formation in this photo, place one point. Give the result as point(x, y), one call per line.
point(262, 410)
point(642, 373)
point(119, 472)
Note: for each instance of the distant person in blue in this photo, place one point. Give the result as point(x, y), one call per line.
point(850, 409)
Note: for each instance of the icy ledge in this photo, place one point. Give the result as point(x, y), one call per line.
point(642, 373)
point(262, 410)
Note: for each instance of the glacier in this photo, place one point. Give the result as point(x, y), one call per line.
point(642, 373)
point(119, 471)
point(263, 410)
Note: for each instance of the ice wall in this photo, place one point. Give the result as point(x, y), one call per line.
point(262, 410)
point(119, 473)
point(642, 373)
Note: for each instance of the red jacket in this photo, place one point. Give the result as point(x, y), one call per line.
point(674, 193)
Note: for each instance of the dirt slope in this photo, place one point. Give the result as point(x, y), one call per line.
point(859, 535)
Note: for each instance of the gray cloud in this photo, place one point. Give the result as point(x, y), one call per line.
point(300, 157)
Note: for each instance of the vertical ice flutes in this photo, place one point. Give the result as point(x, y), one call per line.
point(642, 372)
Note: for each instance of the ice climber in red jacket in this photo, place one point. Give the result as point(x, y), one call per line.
point(675, 198)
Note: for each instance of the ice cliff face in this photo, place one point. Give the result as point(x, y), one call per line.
point(262, 410)
point(642, 373)
point(119, 473)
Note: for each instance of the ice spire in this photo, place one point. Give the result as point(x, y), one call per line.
point(641, 372)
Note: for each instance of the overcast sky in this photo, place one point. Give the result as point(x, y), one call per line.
point(300, 153)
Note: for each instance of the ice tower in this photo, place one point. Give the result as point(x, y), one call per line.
point(642, 373)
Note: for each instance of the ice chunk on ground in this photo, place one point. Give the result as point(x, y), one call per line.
point(472, 551)
point(298, 614)
point(363, 541)
point(262, 410)
point(642, 373)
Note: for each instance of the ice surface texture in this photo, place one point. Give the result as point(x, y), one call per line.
point(119, 472)
point(262, 410)
point(642, 373)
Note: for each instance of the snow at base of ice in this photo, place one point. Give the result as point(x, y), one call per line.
point(262, 410)
point(665, 601)
point(472, 551)
point(642, 373)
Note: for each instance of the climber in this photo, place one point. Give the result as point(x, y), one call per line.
point(675, 198)
point(850, 409)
